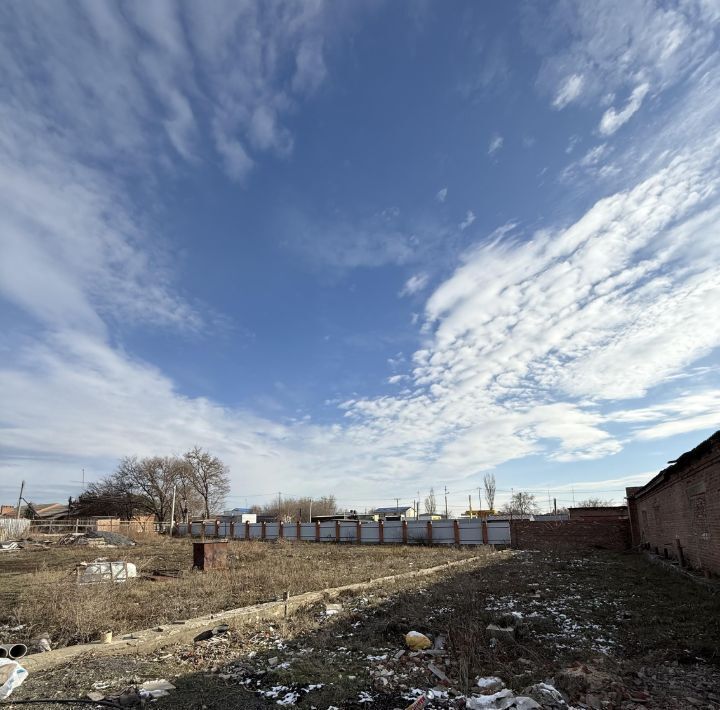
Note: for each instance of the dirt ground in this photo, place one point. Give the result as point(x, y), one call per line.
point(33, 579)
point(607, 630)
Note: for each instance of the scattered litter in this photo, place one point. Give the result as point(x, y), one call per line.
point(437, 672)
point(502, 700)
point(103, 571)
point(331, 609)
point(9, 546)
point(12, 675)
point(489, 685)
point(417, 641)
point(155, 688)
point(218, 630)
point(547, 696)
point(417, 704)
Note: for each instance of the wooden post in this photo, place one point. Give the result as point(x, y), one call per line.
point(232, 529)
point(281, 530)
point(358, 532)
point(317, 531)
point(298, 531)
point(217, 528)
point(404, 532)
point(247, 529)
point(381, 532)
point(202, 529)
point(337, 531)
point(429, 531)
point(456, 530)
point(262, 530)
point(484, 532)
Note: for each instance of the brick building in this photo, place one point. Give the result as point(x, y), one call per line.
point(677, 514)
point(605, 512)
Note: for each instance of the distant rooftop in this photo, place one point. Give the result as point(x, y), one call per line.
point(397, 510)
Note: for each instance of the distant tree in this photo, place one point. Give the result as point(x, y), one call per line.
point(521, 503)
point(489, 485)
point(431, 503)
point(594, 503)
point(298, 508)
point(209, 477)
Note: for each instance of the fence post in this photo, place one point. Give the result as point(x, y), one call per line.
point(262, 530)
point(456, 531)
point(337, 531)
point(317, 531)
point(217, 528)
point(247, 529)
point(298, 531)
point(429, 531)
point(404, 532)
point(484, 532)
point(232, 529)
point(381, 532)
point(281, 530)
point(202, 530)
point(358, 532)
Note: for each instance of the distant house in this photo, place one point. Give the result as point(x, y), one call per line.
point(400, 512)
point(46, 511)
point(431, 516)
point(477, 513)
point(8, 511)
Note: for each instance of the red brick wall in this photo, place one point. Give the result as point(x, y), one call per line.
point(684, 508)
point(571, 534)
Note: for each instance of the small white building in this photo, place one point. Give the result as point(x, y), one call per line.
point(400, 512)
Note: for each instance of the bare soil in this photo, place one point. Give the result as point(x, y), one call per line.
point(609, 630)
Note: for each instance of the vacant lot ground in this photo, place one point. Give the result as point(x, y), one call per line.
point(34, 581)
point(611, 631)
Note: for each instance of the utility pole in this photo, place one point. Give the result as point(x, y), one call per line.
point(172, 512)
point(479, 499)
point(279, 503)
point(470, 504)
point(22, 487)
point(573, 494)
point(310, 520)
point(555, 506)
point(397, 505)
point(446, 509)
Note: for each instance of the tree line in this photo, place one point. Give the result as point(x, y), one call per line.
point(199, 480)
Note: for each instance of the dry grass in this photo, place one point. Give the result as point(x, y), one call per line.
point(40, 589)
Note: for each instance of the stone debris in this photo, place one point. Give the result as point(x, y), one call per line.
point(102, 570)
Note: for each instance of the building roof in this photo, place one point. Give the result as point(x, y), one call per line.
point(685, 460)
point(394, 510)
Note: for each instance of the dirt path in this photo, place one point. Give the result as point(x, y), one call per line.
point(611, 631)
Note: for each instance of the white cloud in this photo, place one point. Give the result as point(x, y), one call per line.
point(143, 78)
point(591, 50)
point(441, 194)
point(568, 91)
point(414, 284)
point(612, 119)
point(469, 219)
point(496, 143)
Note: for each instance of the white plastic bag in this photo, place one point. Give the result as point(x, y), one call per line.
point(12, 674)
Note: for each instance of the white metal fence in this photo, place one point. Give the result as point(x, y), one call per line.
point(412, 532)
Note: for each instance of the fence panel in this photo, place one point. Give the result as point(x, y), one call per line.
point(12, 528)
point(499, 533)
point(444, 532)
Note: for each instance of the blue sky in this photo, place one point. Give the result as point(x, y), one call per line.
point(359, 248)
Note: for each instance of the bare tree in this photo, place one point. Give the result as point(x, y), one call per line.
point(431, 503)
point(594, 503)
point(489, 485)
point(521, 503)
point(208, 477)
point(298, 508)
